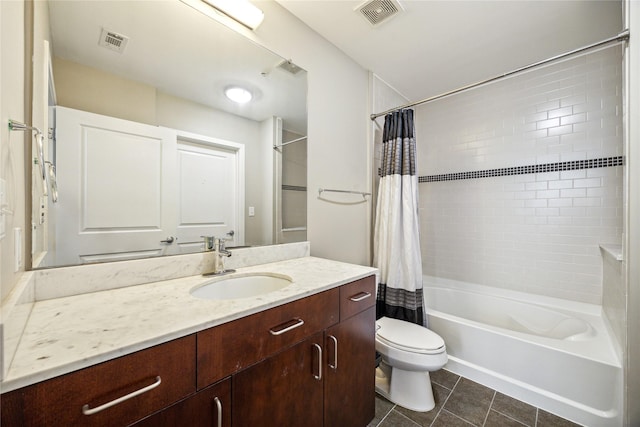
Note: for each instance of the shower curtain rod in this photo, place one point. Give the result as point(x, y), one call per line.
point(622, 37)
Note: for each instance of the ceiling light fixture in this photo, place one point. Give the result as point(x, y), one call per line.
point(241, 11)
point(238, 94)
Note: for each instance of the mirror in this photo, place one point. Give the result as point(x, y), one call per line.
point(149, 154)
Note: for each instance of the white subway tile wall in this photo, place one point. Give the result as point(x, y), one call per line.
point(533, 232)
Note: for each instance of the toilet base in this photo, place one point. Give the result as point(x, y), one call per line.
point(409, 389)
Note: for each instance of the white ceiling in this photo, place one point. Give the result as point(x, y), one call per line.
point(436, 46)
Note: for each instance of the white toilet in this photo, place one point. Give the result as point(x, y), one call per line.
point(409, 352)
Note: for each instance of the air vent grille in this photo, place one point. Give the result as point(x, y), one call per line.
point(113, 41)
point(378, 11)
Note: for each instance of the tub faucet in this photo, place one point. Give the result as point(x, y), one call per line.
point(217, 246)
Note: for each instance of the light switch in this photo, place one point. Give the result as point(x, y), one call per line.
point(252, 211)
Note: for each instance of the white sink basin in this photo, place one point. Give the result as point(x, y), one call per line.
point(241, 286)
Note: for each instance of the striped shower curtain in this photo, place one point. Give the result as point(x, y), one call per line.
point(396, 234)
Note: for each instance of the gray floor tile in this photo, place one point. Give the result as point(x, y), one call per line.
point(545, 419)
point(447, 419)
point(496, 419)
point(396, 419)
point(425, 419)
point(444, 378)
point(470, 400)
point(383, 406)
point(513, 408)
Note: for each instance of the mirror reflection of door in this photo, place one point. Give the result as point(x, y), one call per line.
point(131, 190)
point(210, 192)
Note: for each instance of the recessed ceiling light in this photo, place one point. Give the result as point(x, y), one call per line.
point(238, 94)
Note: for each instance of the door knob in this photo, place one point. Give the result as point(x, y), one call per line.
point(169, 240)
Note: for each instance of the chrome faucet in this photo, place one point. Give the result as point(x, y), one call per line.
point(217, 246)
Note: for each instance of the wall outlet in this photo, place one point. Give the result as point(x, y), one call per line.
point(252, 211)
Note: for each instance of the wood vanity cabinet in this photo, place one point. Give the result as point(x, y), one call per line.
point(284, 390)
point(166, 371)
point(326, 379)
point(308, 362)
point(349, 392)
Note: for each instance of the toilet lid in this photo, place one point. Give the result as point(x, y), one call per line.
point(409, 336)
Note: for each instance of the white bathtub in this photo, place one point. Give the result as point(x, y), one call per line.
point(554, 354)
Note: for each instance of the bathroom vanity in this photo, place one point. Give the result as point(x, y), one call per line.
point(301, 356)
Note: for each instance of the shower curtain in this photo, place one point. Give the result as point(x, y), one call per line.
point(396, 234)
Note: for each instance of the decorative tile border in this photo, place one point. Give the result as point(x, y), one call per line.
point(294, 188)
point(520, 170)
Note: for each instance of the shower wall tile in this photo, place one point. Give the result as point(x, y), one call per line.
point(536, 232)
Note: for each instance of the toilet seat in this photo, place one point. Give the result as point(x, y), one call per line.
point(409, 337)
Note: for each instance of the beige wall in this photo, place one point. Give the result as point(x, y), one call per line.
point(89, 89)
point(12, 144)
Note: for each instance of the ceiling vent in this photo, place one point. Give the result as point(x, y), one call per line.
point(113, 41)
point(378, 11)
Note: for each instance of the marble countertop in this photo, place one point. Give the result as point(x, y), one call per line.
point(66, 334)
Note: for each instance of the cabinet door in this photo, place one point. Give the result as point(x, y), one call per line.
point(210, 407)
point(284, 390)
point(349, 379)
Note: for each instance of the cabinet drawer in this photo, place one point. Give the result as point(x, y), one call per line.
point(228, 348)
point(163, 374)
point(357, 296)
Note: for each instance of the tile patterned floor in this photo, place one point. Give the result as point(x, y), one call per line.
point(462, 403)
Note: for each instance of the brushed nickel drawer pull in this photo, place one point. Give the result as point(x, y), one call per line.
point(87, 411)
point(219, 409)
point(361, 296)
point(319, 376)
point(299, 322)
point(334, 366)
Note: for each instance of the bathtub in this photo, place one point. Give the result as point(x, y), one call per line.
point(554, 354)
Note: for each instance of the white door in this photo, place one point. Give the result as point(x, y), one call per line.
point(116, 181)
point(211, 191)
